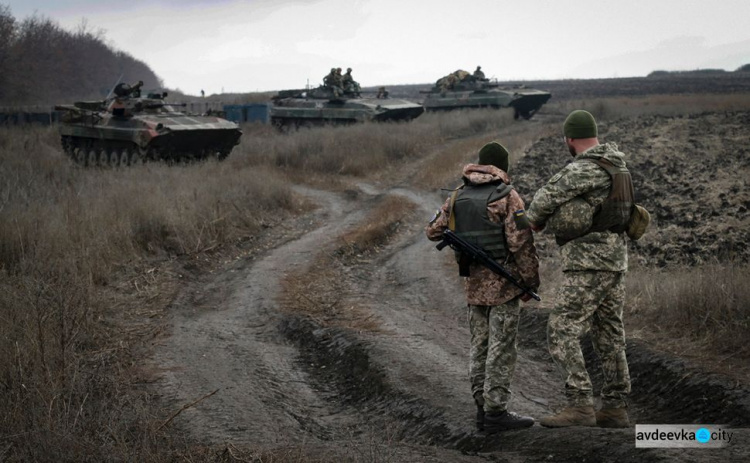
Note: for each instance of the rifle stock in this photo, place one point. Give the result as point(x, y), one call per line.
point(480, 256)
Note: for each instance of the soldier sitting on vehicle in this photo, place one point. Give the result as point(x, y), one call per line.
point(329, 79)
point(382, 93)
point(332, 81)
point(350, 85)
point(478, 74)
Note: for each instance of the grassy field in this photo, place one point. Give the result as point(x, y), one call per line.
point(85, 258)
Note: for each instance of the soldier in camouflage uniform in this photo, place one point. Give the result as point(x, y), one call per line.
point(594, 265)
point(489, 212)
point(478, 74)
point(333, 82)
point(350, 85)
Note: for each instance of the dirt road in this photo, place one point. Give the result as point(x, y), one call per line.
point(399, 393)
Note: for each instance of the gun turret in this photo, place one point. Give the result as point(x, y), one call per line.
point(124, 90)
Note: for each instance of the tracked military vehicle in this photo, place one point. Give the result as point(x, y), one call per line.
point(460, 90)
point(128, 128)
point(325, 105)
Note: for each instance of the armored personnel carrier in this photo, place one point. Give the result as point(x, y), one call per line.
point(461, 89)
point(326, 105)
point(127, 128)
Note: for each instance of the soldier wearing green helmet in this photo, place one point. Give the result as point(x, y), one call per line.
point(588, 205)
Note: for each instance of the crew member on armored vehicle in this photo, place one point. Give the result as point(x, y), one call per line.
point(127, 127)
point(351, 86)
point(478, 74)
point(464, 90)
point(338, 101)
point(333, 81)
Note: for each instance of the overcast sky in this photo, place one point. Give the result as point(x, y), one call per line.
point(257, 45)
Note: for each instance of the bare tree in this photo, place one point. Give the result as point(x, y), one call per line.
point(41, 63)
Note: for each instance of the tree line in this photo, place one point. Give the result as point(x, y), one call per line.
point(43, 64)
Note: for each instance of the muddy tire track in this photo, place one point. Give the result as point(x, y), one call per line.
point(284, 380)
point(230, 341)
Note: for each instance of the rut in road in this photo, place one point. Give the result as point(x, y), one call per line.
point(225, 336)
point(283, 380)
point(411, 377)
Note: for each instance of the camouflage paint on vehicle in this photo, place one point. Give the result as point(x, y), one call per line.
point(129, 128)
point(471, 92)
point(322, 106)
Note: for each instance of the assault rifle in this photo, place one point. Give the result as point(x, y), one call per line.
point(481, 257)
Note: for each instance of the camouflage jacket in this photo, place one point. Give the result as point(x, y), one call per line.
point(484, 287)
point(593, 251)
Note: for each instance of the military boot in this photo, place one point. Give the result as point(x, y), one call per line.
point(479, 401)
point(612, 418)
point(571, 416)
point(495, 422)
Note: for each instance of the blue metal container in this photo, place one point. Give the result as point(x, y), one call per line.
point(256, 112)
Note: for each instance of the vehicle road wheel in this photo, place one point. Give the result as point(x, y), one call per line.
point(112, 157)
point(79, 155)
point(125, 156)
point(92, 157)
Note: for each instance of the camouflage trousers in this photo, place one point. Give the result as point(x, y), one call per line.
point(590, 299)
point(493, 352)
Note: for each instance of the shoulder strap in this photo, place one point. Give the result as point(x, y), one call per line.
point(452, 217)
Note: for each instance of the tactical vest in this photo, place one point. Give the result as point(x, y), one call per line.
point(614, 212)
point(469, 218)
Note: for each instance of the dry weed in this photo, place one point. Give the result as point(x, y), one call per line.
point(64, 232)
point(706, 304)
point(378, 227)
point(326, 291)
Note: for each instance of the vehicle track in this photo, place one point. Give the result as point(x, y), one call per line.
point(225, 337)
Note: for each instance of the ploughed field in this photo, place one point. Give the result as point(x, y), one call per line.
point(690, 172)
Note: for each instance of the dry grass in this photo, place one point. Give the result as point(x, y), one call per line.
point(384, 221)
point(709, 304)
point(363, 149)
point(326, 291)
point(66, 234)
